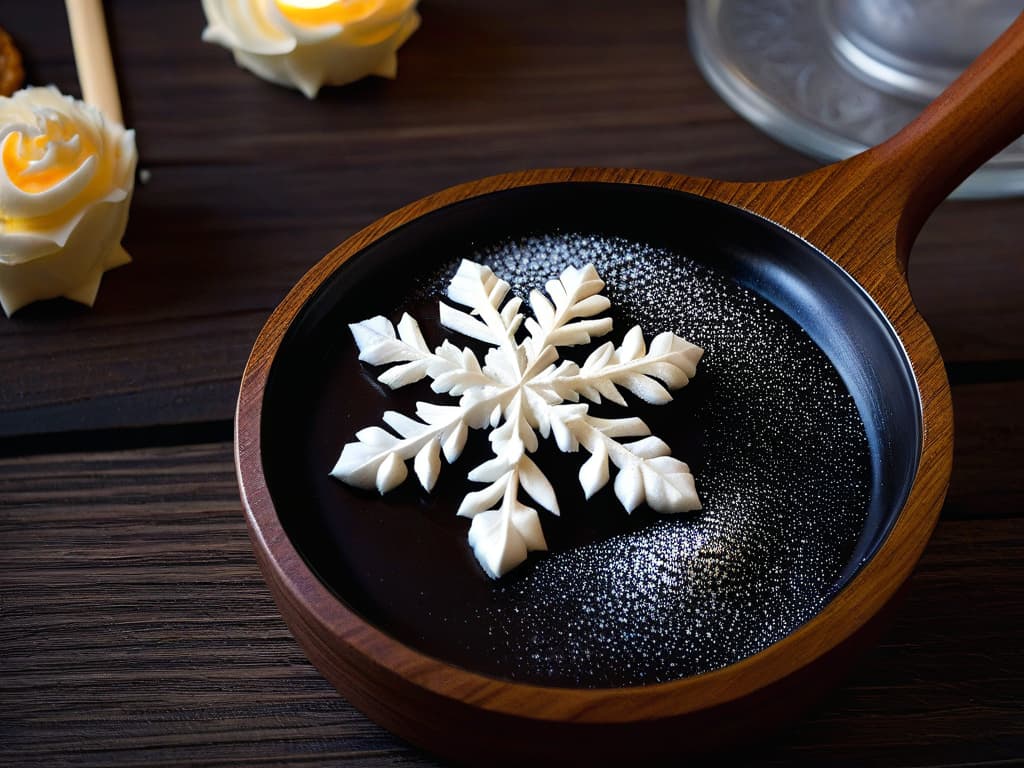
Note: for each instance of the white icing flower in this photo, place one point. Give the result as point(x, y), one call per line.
point(519, 391)
point(305, 44)
point(66, 179)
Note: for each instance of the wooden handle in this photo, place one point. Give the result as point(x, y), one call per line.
point(865, 212)
point(976, 117)
point(92, 57)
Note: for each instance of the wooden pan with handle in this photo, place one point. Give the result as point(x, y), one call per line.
point(829, 249)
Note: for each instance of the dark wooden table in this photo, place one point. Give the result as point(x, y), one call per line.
point(134, 625)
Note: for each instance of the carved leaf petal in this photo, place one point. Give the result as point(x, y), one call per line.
point(409, 332)
point(378, 344)
point(474, 283)
point(646, 388)
point(607, 388)
point(649, 448)
point(492, 469)
point(513, 437)
point(527, 523)
point(594, 472)
point(681, 354)
point(497, 545)
point(478, 406)
point(580, 332)
point(372, 333)
point(455, 370)
point(357, 465)
point(460, 322)
point(600, 356)
point(540, 410)
point(632, 345)
point(501, 539)
point(592, 305)
point(537, 485)
point(495, 417)
point(407, 373)
point(376, 437)
point(405, 426)
point(564, 438)
point(629, 427)
point(428, 464)
point(510, 314)
point(669, 486)
point(476, 502)
point(455, 442)
point(391, 473)
point(629, 487)
point(543, 310)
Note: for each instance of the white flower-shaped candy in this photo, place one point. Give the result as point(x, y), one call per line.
point(66, 179)
point(522, 391)
point(305, 44)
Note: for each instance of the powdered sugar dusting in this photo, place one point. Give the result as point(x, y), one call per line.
point(784, 479)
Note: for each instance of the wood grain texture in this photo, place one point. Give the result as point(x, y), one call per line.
point(257, 184)
point(136, 630)
point(864, 213)
point(134, 626)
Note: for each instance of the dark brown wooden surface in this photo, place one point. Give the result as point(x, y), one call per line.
point(134, 626)
point(136, 629)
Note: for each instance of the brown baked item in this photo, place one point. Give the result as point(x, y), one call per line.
point(12, 75)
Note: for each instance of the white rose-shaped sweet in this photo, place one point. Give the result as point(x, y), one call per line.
point(305, 44)
point(66, 179)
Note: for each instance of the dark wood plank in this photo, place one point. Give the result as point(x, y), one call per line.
point(136, 630)
point(988, 478)
point(251, 184)
point(966, 275)
point(944, 686)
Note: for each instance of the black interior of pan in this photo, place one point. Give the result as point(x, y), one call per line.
point(802, 428)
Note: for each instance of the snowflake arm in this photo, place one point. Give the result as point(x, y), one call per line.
point(377, 458)
point(671, 360)
point(452, 370)
point(646, 470)
point(575, 294)
point(477, 287)
point(502, 536)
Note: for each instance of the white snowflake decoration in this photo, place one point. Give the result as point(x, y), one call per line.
point(520, 390)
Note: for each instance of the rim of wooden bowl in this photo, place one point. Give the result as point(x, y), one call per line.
point(370, 666)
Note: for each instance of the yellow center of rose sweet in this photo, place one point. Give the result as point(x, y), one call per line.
point(39, 162)
point(314, 13)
